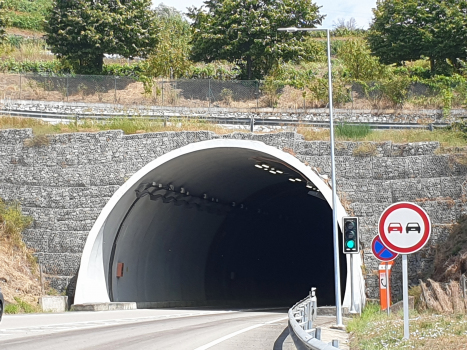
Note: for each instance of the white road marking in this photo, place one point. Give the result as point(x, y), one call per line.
point(231, 335)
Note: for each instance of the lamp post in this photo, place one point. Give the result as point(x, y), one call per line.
point(337, 282)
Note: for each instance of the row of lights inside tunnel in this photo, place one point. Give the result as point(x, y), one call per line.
point(275, 171)
point(183, 191)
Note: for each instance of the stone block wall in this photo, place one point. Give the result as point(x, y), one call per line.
point(64, 186)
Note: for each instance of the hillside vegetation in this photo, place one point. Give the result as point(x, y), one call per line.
point(27, 14)
point(19, 274)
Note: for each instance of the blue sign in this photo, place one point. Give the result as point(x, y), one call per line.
point(381, 252)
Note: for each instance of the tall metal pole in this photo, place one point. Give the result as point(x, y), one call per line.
point(337, 282)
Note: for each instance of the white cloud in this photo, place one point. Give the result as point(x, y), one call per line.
point(361, 10)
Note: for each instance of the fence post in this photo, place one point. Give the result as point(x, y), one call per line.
point(115, 89)
point(67, 93)
point(257, 95)
point(162, 93)
point(20, 86)
point(209, 93)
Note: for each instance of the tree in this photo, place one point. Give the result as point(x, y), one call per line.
point(3, 22)
point(404, 30)
point(349, 25)
point(245, 32)
point(170, 58)
point(83, 30)
point(358, 61)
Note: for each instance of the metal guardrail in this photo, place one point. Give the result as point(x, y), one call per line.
point(217, 120)
point(301, 317)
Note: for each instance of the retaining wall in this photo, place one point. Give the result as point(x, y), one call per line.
point(65, 184)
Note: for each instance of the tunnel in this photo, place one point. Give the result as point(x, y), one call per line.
point(221, 222)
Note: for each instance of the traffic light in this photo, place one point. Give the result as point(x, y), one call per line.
point(351, 239)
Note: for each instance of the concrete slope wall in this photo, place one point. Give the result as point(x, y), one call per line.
point(65, 184)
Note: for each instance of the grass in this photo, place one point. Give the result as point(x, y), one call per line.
point(129, 125)
point(26, 51)
point(21, 307)
point(375, 331)
point(134, 125)
point(447, 138)
point(353, 132)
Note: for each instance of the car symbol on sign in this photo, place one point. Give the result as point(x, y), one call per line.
point(413, 227)
point(395, 227)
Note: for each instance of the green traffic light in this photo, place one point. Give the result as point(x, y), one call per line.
point(350, 244)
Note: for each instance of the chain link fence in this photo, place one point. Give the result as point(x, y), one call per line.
point(241, 95)
point(196, 93)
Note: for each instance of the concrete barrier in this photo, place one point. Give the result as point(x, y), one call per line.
point(54, 303)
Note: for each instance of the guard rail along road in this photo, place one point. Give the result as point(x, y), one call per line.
point(301, 317)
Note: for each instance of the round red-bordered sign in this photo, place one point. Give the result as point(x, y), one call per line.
point(404, 228)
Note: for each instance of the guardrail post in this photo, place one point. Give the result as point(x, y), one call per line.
point(318, 333)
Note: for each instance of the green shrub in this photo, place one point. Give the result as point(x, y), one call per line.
point(355, 131)
point(27, 14)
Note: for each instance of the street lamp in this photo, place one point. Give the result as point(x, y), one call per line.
point(337, 282)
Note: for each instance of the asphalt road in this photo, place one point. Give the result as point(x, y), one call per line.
point(162, 329)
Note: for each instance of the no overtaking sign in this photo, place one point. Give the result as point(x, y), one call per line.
point(404, 228)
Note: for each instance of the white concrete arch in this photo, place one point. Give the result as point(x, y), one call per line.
point(92, 284)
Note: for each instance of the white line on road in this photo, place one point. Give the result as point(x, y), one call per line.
point(231, 335)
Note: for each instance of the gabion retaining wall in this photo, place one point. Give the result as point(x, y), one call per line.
point(65, 184)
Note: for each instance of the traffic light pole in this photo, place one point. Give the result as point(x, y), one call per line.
point(352, 293)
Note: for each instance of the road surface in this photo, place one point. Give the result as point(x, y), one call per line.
point(148, 329)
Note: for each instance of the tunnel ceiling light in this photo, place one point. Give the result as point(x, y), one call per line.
point(265, 166)
point(292, 180)
point(298, 179)
point(272, 171)
point(279, 171)
point(258, 166)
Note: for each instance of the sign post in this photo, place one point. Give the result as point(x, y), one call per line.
point(404, 228)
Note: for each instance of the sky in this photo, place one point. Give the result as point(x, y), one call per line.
point(334, 9)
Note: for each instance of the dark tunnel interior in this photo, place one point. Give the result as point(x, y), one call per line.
point(277, 256)
point(256, 239)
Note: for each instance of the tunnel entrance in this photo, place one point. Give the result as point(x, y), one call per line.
point(276, 257)
point(220, 225)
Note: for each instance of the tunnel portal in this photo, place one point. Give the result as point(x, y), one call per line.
point(218, 225)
